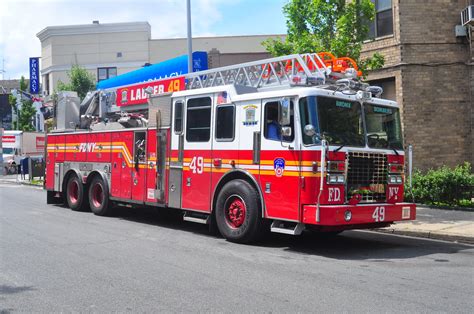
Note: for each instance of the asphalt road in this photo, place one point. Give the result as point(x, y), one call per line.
point(55, 260)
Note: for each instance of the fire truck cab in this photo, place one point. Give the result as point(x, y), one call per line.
point(284, 144)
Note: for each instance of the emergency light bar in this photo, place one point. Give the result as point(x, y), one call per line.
point(300, 80)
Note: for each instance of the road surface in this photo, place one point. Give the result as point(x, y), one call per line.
point(55, 260)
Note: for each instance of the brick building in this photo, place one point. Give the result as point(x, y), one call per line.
point(429, 72)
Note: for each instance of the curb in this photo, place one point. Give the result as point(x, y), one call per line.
point(456, 208)
point(429, 235)
point(20, 183)
point(31, 184)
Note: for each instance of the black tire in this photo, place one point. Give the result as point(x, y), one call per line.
point(99, 197)
point(238, 212)
point(76, 199)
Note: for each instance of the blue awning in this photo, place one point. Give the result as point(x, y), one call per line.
point(169, 68)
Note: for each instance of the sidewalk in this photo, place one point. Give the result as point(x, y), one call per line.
point(16, 178)
point(433, 223)
point(441, 224)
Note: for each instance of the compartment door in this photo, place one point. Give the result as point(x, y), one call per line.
point(122, 146)
point(279, 165)
point(196, 185)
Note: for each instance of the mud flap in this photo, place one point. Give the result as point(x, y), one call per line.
point(51, 198)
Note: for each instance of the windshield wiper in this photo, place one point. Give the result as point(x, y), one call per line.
point(394, 150)
point(339, 148)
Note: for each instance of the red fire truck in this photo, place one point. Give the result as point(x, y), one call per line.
point(286, 144)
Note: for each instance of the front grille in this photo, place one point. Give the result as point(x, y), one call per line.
point(367, 176)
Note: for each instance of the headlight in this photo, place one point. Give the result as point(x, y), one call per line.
point(336, 179)
point(395, 179)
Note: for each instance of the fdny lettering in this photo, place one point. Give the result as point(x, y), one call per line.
point(87, 147)
point(334, 194)
point(393, 191)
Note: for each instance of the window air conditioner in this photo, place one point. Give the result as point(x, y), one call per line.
point(467, 16)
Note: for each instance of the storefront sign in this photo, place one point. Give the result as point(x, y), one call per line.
point(39, 143)
point(34, 75)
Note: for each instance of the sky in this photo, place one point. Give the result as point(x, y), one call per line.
point(21, 20)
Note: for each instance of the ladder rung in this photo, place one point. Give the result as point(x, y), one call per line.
point(262, 73)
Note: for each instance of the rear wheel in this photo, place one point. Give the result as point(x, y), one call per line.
point(238, 213)
point(75, 196)
point(99, 197)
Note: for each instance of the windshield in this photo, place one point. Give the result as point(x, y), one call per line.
point(383, 127)
point(339, 121)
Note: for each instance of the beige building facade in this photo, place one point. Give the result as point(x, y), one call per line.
point(429, 72)
point(107, 50)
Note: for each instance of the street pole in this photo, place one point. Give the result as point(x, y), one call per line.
point(190, 43)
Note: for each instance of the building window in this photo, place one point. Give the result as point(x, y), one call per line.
point(382, 25)
point(46, 84)
point(389, 87)
point(225, 121)
point(106, 73)
point(198, 124)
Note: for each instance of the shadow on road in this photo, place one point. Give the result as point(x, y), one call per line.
point(350, 245)
point(363, 245)
point(5, 289)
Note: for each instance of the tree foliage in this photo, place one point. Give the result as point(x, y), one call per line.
point(80, 81)
point(26, 112)
point(336, 26)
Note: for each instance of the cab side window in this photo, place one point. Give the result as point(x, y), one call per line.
point(225, 123)
point(198, 122)
point(178, 117)
point(271, 127)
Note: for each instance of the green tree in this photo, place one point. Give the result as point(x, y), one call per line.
point(80, 81)
point(336, 26)
point(27, 114)
point(27, 111)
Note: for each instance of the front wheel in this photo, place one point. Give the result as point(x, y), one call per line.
point(99, 197)
point(238, 213)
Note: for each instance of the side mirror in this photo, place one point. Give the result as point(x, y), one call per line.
point(284, 111)
point(286, 131)
point(309, 130)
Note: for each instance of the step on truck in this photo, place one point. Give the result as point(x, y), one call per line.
point(287, 144)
